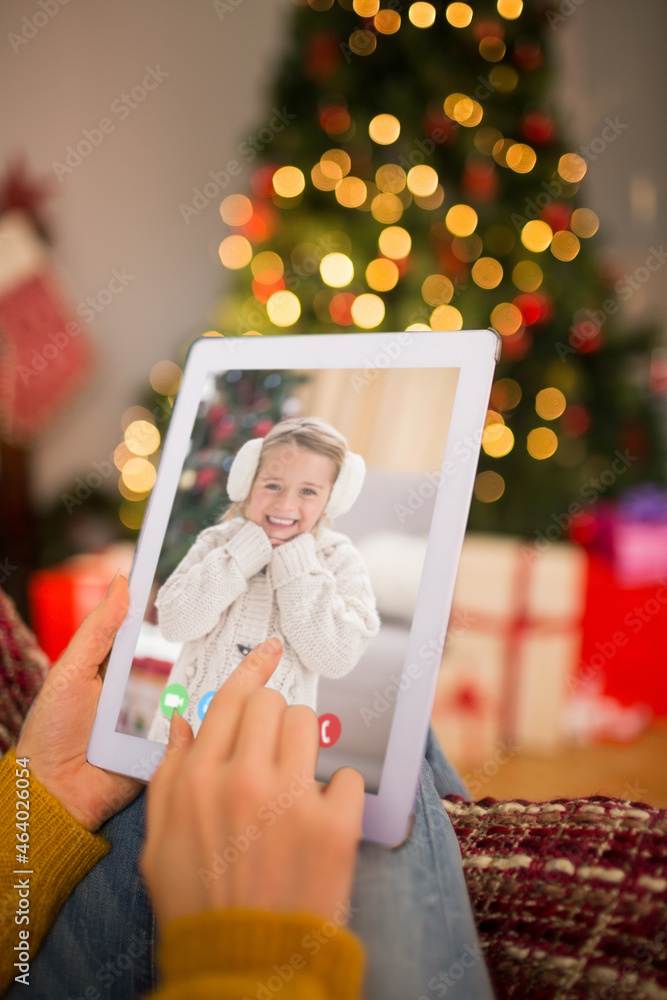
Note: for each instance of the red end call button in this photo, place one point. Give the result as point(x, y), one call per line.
point(329, 730)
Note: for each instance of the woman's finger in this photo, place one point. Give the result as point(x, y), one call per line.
point(260, 728)
point(220, 728)
point(300, 741)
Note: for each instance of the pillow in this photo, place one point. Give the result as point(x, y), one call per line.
point(394, 563)
point(570, 897)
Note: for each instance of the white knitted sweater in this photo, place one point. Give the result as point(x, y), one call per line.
point(233, 590)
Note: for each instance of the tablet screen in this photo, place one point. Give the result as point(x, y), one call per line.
point(340, 592)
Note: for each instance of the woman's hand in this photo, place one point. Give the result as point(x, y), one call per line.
point(56, 733)
point(236, 819)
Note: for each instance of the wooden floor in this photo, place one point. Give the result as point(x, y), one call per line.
point(635, 771)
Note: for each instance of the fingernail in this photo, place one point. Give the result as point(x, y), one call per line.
point(269, 646)
point(110, 587)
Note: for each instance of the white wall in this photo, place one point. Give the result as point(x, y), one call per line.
point(120, 207)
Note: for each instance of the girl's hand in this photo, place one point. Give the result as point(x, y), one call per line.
point(235, 817)
point(56, 733)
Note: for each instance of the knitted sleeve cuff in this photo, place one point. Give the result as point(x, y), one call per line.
point(251, 548)
point(248, 945)
point(60, 852)
point(294, 559)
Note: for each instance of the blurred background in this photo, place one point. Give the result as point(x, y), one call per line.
point(169, 171)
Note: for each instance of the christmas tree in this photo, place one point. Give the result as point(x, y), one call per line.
point(419, 178)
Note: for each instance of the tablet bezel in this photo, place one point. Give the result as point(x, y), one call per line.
point(475, 352)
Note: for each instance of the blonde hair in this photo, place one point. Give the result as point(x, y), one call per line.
point(309, 433)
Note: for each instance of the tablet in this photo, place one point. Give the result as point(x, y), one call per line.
point(344, 543)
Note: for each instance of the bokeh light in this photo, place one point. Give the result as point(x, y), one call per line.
point(584, 222)
point(368, 310)
point(422, 180)
point(487, 272)
point(505, 394)
point(337, 270)
point(542, 443)
point(489, 486)
point(572, 167)
point(527, 276)
point(395, 242)
point(422, 15)
point(235, 252)
point(165, 378)
point(339, 157)
point(387, 22)
point(382, 274)
point(391, 178)
point(386, 208)
point(138, 474)
point(288, 182)
point(461, 220)
point(521, 158)
point(565, 245)
point(142, 437)
point(384, 129)
point(267, 267)
point(510, 9)
point(236, 210)
point(506, 318)
point(492, 48)
point(459, 15)
point(351, 192)
point(283, 308)
point(550, 403)
point(536, 235)
point(446, 318)
point(497, 440)
point(366, 8)
point(437, 290)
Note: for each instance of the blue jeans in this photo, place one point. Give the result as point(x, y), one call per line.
point(410, 907)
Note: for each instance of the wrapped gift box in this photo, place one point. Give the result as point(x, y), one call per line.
point(632, 534)
point(513, 643)
point(61, 596)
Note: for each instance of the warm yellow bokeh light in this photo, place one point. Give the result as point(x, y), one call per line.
point(395, 242)
point(384, 129)
point(521, 158)
point(288, 182)
point(422, 180)
point(467, 112)
point(506, 318)
point(283, 308)
point(437, 290)
point(459, 15)
point(503, 78)
point(418, 326)
point(527, 276)
point(493, 417)
point(121, 455)
point(387, 22)
point(366, 8)
point(391, 178)
point(505, 394)
point(422, 15)
point(461, 220)
point(541, 443)
point(382, 274)
point(565, 245)
point(536, 235)
point(367, 310)
point(129, 494)
point(325, 176)
point(363, 43)
point(138, 475)
point(487, 272)
point(433, 201)
point(572, 167)
point(165, 378)
point(446, 318)
point(337, 270)
point(142, 437)
point(339, 157)
point(267, 267)
point(451, 102)
point(386, 208)
point(584, 222)
point(489, 486)
point(550, 403)
point(492, 48)
point(235, 252)
point(351, 192)
point(236, 210)
point(510, 9)
point(497, 440)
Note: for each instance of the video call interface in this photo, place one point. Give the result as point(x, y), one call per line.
point(339, 591)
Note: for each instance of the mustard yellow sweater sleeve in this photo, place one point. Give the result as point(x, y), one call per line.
point(59, 853)
point(256, 955)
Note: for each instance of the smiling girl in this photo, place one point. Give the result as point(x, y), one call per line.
point(273, 567)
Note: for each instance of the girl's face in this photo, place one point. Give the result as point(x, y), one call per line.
point(290, 492)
